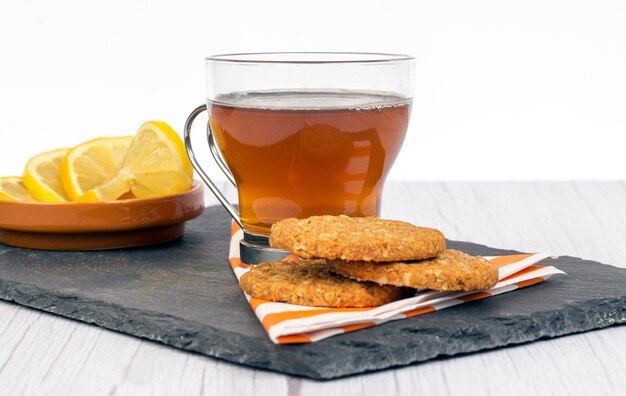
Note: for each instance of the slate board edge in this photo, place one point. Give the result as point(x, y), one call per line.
point(174, 331)
point(195, 337)
point(596, 322)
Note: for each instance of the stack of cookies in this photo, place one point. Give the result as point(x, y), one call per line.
point(362, 262)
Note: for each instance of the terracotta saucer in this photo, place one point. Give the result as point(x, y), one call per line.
point(98, 225)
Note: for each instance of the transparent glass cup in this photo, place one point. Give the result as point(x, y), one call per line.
point(302, 134)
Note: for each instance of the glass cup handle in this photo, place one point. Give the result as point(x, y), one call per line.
point(217, 156)
point(220, 162)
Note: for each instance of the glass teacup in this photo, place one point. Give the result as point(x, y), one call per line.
point(304, 134)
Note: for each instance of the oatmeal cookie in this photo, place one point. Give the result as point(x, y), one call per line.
point(356, 238)
point(451, 270)
point(309, 282)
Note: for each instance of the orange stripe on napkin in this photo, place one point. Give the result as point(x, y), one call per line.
point(475, 296)
point(294, 339)
point(356, 326)
point(271, 319)
point(529, 282)
point(501, 261)
point(235, 262)
point(523, 271)
point(419, 311)
point(255, 302)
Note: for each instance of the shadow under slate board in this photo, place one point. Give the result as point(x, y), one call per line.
point(184, 294)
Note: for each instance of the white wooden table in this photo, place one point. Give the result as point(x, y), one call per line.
point(45, 354)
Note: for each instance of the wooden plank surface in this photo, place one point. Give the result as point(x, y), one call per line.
point(44, 354)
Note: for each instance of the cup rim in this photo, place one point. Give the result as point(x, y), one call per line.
point(306, 57)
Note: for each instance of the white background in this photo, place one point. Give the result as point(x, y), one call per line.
point(504, 89)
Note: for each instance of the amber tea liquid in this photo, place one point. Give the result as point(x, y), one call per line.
point(299, 154)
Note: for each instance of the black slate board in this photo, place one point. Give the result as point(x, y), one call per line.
point(184, 294)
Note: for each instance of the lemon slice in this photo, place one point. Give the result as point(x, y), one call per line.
point(92, 163)
point(41, 176)
point(156, 165)
point(12, 188)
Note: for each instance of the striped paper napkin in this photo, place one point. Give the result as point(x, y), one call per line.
point(291, 324)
